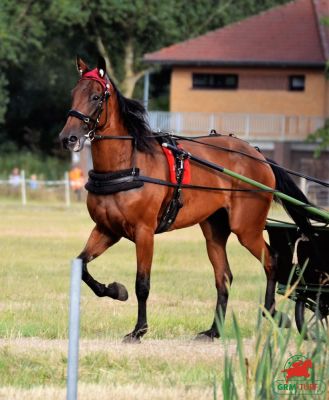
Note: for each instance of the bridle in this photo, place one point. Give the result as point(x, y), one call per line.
point(92, 121)
point(89, 119)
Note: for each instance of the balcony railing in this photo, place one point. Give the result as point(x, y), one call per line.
point(246, 126)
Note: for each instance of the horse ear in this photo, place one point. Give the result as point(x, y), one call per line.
point(101, 66)
point(82, 67)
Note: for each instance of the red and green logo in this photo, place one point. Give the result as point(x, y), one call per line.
point(298, 374)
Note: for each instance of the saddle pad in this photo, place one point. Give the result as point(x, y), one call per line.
point(172, 166)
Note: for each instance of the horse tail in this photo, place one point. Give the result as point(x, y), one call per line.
point(285, 184)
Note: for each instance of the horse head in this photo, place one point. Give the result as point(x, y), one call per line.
point(89, 99)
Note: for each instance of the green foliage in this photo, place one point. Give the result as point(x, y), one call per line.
point(22, 30)
point(3, 96)
point(321, 138)
point(256, 375)
point(39, 41)
point(45, 167)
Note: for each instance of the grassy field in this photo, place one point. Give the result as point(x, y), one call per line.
point(37, 244)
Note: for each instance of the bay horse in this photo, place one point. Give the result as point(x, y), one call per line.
point(99, 111)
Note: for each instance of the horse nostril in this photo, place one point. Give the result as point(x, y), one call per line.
point(73, 139)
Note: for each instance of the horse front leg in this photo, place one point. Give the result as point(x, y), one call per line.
point(97, 243)
point(144, 242)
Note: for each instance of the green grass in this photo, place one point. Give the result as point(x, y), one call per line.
point(37, 244)
point(28, 370)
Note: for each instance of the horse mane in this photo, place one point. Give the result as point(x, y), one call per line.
point(134, 117)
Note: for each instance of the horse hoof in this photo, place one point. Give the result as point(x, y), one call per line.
point(206, 336)
point(282, 319)
point(131, 338)
point(117, 291)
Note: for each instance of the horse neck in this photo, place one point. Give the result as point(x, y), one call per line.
point(116, 154)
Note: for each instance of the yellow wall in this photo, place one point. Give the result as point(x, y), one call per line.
point(311, 102)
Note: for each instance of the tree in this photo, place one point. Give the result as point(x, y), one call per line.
point(321, 138)
point(122, 31)
point(40, 38)
point(21, 27)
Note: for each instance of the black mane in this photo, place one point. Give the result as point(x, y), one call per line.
point(133, 116)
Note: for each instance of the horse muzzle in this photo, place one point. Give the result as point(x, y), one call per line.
point(73, 143)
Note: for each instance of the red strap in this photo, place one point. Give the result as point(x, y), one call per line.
point(94, 76)
point(172, 167)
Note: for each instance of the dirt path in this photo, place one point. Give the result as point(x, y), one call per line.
point(165, 349)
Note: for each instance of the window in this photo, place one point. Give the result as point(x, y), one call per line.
point(297, 83)
point(262, 82)
point(215, 81)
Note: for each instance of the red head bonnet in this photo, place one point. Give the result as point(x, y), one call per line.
point(94, 76)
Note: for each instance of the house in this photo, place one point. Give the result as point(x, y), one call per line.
point(262, 78)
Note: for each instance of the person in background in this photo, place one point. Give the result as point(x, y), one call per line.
point(33, 182)
point(76, 181)
point(15, 177)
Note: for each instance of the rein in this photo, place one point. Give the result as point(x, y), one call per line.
point(193, 139)
point(92, 135)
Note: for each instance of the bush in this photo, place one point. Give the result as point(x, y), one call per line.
point(45, 167)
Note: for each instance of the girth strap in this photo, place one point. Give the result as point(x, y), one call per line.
point(176, 202)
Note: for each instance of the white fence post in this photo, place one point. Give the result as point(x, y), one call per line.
point(67, 189)
point(178, 122)
point(74, 330)
point(211, 122)
point(23, 187)
point(303, 185)
point(146, 89)
point(283, 127)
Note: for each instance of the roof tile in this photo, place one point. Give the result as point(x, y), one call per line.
point(284, 34)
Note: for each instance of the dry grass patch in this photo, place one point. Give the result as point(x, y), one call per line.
point(110, 391)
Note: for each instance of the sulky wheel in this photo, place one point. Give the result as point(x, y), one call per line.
point(311, 321)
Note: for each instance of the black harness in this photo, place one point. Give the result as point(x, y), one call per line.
point(119, 181)
point(113, 182)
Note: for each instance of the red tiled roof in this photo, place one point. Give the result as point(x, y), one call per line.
point(286, 35)
point(322, 11)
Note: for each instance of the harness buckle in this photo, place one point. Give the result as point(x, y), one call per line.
point(90, 135)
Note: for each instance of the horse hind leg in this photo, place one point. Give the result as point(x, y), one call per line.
point(253, 240)
point(216, 231)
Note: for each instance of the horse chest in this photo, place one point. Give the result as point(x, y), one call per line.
point(111, 214)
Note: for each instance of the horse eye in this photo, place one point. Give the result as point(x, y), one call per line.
point(96, 97)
